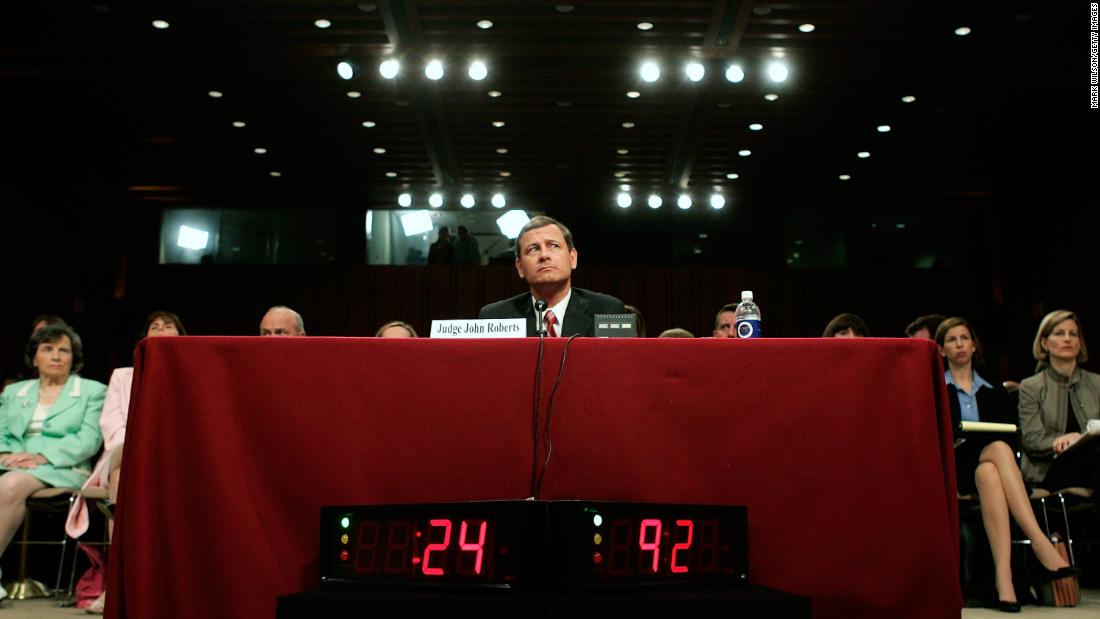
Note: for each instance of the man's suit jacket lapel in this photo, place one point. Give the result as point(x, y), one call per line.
point(524, 309)
point(578, 317)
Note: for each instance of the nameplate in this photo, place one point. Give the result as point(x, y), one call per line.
point(499, 327)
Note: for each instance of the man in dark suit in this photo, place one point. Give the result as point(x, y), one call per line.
point(545, 259)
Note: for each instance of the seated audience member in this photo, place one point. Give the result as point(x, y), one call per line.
point(546, 259)
point(725, 320)
point(676, 332)
point(112, 424)
point(846, 325)
point(639, 320)
point(396, 328)
point(281, 321)
point(988, 465)
point(49, 426)
point(442, 250)
point(467, 247)
point(924, 326)
point(45, 320)
point(1056, 405)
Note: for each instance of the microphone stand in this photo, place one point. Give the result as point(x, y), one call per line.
point(540, 329)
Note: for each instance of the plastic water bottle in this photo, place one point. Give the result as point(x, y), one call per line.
point(748, 316)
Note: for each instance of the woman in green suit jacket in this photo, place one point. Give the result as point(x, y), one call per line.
point(49, 426)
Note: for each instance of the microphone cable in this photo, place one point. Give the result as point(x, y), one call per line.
point(540, 307)
point(550, 417)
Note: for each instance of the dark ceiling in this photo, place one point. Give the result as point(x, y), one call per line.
point(104, 101)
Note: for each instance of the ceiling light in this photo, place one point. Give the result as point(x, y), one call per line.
point(620, 174)
point(391, 174)
point(644, 25)
point(777, 72)
point(806, 28)
point(622, 151)
point(733, 176)
point(498, 200)
point(478, 71)
point(502, 151)
point(623, 200)
point(695, 71)
point(628, 125)
point(633, 94)
point(564, 103)
point(215, 94)
point(735, 73)
point(883, 128)
point(369, 124)
point(160, 24)
point(484, 24)
point(192, 238)
point(416, 222)
point(238, 123)
point(434, 70)
point(345, 70)
point(389, 68)
point(467, 201)
point(717, 201)
point(908, 99)
point(845, 177)
point(744, 152)
point(650, 72)
point(563, 8)
point(624, 187)
point(275, 173)
point(863, 154)
point(354, 94)
point(380, 151)
point(684, 201)
point(495, 93)
point(962, 31)
point(756, 127)
point(505, 173)
point(322, 23)
point(259, 151)
point(655, 201)
point(771, 96)
point(435, 200)
point(512, 222)
point(498, 123)
point(404, 200)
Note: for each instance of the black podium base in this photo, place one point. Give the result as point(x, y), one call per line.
point(751, 601)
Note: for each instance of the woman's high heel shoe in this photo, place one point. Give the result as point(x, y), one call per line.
point(1045, 575)
point(1008, 607)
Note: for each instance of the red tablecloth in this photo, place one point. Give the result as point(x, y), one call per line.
point(841, 449)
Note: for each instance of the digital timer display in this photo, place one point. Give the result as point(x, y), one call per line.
point(533, 544)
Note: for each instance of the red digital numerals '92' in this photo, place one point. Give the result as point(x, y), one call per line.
point(654, 546)
point(399, 547)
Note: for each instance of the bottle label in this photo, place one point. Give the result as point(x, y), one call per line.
point(747, 328)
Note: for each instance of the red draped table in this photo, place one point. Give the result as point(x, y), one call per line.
point(841, 449)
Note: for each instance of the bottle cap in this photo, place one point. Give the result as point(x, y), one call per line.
point(746, 295)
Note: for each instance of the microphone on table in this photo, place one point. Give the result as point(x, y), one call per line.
point(540, 317)
point(540, 329)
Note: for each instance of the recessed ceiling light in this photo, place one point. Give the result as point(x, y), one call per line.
point(622, 151)
point(354, 94)
point(863, 154)
point(495, 93)
point(259, 151)
point(434, 70)
point(367, 7)
point(624, 187)
point(498, 123)
point(564, 103)
point(275, 173)
point(484, 24)
point(435, 200)
point(478, 71)
point(756, 127)
point(215, 94)
point(778, 72)
point(908, 99)
point(391, 174)
point(563, 8)
point(628, 125)
point(404, 200)
point(806, 28)
point(650, 71)
point(684, 201)
point(644, 25)
point(467, 200)
point(498, 200)
point(620, 175)
point(238, 123)
point(633, 94)
point(883, 128)
point(505, 173)
point(733, 176)
point(160, 24)
point(623, 200)
point(717, 201)
point(734, 73)
point(369, 124)
point(502, 151)
point(380, 151)
point(695, 71)
point(389, 68)
point(322, 23)
point(345, 70)
point(962, 31)
point(655, 201)
point(744, 152)
point(845, 177)
point(771, 96)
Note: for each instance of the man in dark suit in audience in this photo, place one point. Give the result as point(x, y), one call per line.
point(545, 259)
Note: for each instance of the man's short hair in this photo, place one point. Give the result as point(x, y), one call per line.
point(541, 221)
point(728, 307)
point(676, 332)
point(928, 321)
point(844, 322)
point(298, 322)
